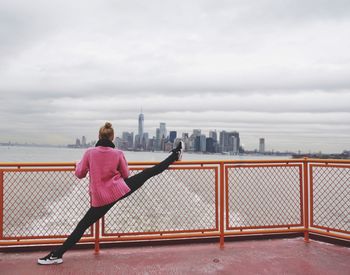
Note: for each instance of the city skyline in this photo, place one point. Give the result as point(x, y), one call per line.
point(259, 147)
point(272, 69)
point(166, 140)
point(162, 141)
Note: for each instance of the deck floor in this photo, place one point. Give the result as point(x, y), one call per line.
point(275, 256)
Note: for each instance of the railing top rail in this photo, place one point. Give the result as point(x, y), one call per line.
point(139, 163)
point(73, 164)
point(36, 164)
point(255, 161)
point(345, 161)
point(192, 162)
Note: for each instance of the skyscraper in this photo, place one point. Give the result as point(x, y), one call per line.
point(83, 141)
point(158, 140)
point(196, 132)
point(261, 145)
point(77, 142)
point(229, 142)
point(139, 138)
point(197, 143)
point(141, 122)
point(213, 135)
point(145, 140)
point(172, 136)
point(129, 139)
point(162, 128)
point(203, 143)
point(210, 145)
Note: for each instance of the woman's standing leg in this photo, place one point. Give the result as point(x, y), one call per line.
point(92, 215)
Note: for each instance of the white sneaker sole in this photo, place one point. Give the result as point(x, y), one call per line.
point(49, 262)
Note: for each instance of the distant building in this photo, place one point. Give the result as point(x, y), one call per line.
point(186, 140)
point(157, 145)
point(213, 135)
point(210, 145)
point(140, 138)
point(196, 132)
point(162, 129)
point(229, 142)
point(197, 144)
point(172, 136)
point(129, 139)
point(203, 144)
point(83, 141)
point(261, 145)
point(137, 143)
point(77, 142)
point(194, 141)
point(145, 140)
point(151, 144)
point(120, 143)
point(235, 144)
point(141, 125)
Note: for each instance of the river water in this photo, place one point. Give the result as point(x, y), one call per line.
point(55, 154)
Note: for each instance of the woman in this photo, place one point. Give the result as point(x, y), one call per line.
point(109, 183)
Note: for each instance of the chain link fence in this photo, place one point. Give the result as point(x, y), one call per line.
point(263, 196)
point(330, 197)
point(45, 203)
point(178, 200)
point(42, 203)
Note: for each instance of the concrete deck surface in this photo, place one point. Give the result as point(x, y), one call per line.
point(274, 256)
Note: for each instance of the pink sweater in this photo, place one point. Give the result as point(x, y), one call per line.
point(107, 168)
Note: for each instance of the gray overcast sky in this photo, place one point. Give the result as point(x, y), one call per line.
point(273, 69)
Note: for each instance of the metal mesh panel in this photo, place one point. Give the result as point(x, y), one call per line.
point(331, 197)
point(263, 196)
point(176, 200)
point(43, 203)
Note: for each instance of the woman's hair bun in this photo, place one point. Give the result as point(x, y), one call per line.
point(106, 131)
point(108, 125)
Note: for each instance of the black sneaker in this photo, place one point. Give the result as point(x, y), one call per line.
point(50, 259)
point(180, 148)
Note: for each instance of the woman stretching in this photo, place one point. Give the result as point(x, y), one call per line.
point(109, 183)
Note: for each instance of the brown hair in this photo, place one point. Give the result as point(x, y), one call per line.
point(106, 131)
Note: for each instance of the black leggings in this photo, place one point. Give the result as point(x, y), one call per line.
point(95, 213)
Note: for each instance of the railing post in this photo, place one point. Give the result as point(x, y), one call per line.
point(1, 204)
point(306, 200)
point(97, 236)
point(222, 195)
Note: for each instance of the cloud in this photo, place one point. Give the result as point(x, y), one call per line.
point(273, 67)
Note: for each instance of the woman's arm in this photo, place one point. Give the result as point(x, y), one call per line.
point(82, 166)
point(123, 166)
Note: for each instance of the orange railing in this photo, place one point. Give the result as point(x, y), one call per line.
point(41, 203)
point(330, 203)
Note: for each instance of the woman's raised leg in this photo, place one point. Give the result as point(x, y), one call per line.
point(136, 181)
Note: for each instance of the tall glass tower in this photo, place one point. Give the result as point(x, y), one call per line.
point(262, 145)
point(141, 119)
point(162, 128)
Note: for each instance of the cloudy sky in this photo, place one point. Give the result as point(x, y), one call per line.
point(268, 68)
